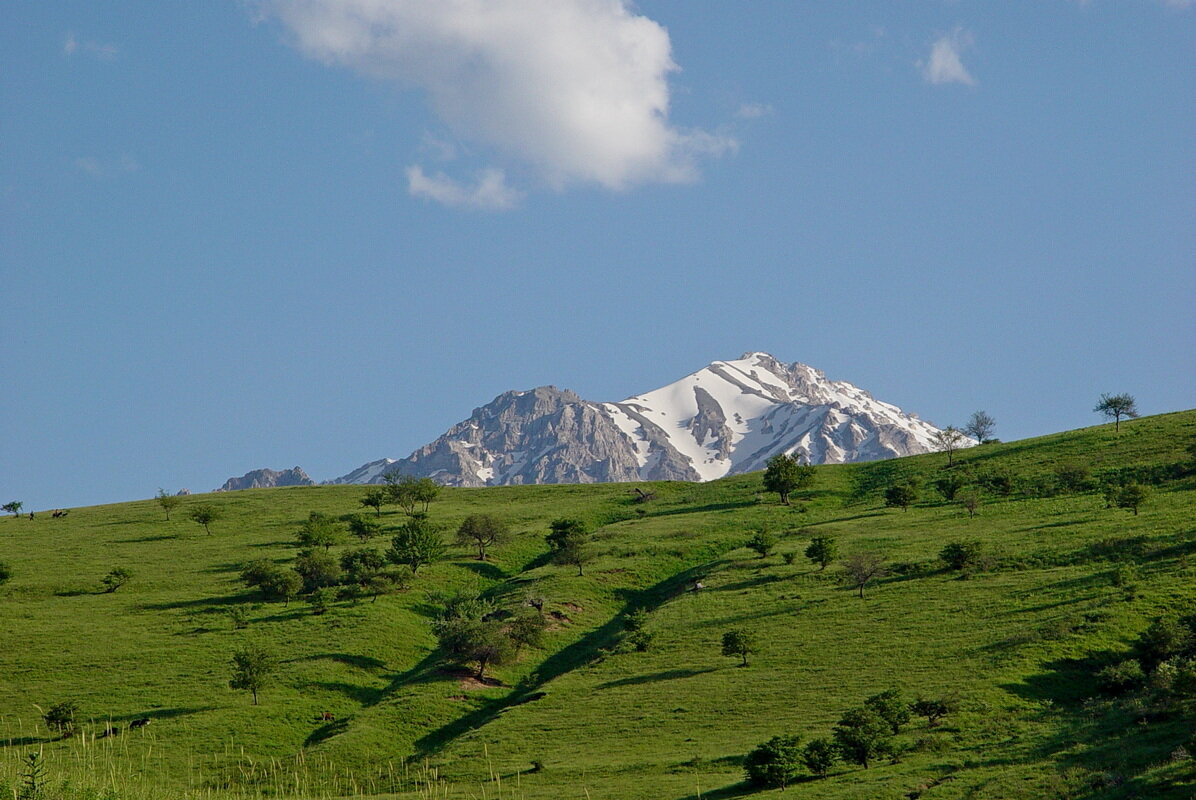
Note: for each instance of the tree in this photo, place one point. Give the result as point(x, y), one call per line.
point(970, 500)
point(410, 493)
point(317, 569)
point(862, 568)
point(950, 484)
point(321, 598)
point(1131, 496)
point(375, 499)
point(891, 707)
point(980, 427)
point(739, 642)
point(274, 582)
point(252, 669)
point(948, 440)
point(785, 475)
point(762, 542)
point(526, 628)
point(862, 736)
point(819, 755)
point(561, 529)
point(961, 555)
point(933, 709)
point(482, 531)
point(204, 514)
point(169, 502)
point(115, 579)
point(362, 564)
point(823, 550)
point(467, 633)
point(417, 543)
point(61, 717)
point(13, 508)
point(774, 764)
point(363, 527)
point(574, 550)
point(319, 530)
point(901, 495)
point(1116, 406)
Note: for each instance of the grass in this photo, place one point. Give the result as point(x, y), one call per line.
point(1017, 643)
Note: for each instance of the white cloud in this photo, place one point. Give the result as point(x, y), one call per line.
point(490, 192)
point(753, 110)
point(577, 90)
point(945, 64)
point(101, 50)
point(101, 168)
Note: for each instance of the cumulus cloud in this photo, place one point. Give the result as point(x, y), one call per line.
point(490, 191)
point(103, 51)
point(576, 90)
point(945, 64)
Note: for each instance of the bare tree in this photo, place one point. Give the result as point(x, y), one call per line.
point(862, 568)
point(980, 426)
point(948, 440)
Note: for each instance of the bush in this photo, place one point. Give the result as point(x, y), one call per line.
point(1073, 477)
point(1120, 678)
point(996, 481)
point(317, 569)
point(739, 642)
point(891, 707)
point(819, 755)
point(960, 555)
point(776, 763)
point(321, 598)
point(115, 579)
point(901, 495)
point(762, 542)
point(635, 620)
point(822, 551)
point(5, 571)
point(60, 718)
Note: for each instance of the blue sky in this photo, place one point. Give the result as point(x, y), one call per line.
point(319, 232)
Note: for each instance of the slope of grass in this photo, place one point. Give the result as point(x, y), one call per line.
point(1016, 642)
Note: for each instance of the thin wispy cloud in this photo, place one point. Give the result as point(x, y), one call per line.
point(489, 192)
point(72, 45)
point(105, 168)
point(945, 64)
point(753, 110)
point(570, 92)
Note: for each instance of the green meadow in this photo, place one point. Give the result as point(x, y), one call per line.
point(1015, 642)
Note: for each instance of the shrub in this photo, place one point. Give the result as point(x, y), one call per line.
point(60, 718)
point(819, 755)
point(739, 642)
point(321, 598)
point(1131, 496)
point(789, 557)
point(762, 542)
point(863, 736)
point(362, 564)
point(776, 763)
point(934, 709)
point(949, 485)
point(1120, 678)
point(640, 641)
point(115, 579)
point(891, 707)
point(635, 619)
point(822, 550)
point(996, 481)
point(526, 628)
point(901, 495)
point(238, 616)
point(960, 555)
point(5, 571)
point(364, 527)
point(317, 569)
point(1074, 477)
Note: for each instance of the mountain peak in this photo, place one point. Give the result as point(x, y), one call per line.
point(727, 418)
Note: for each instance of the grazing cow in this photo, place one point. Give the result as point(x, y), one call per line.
point(110, 731)
point(327, 716)
point(30, 515)
point(139, 723)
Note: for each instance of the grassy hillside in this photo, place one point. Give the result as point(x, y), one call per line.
point(1018, 641)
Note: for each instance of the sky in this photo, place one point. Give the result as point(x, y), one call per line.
point(241, 234)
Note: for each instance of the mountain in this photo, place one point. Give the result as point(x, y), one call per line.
point(266, 478)
point(726, 418)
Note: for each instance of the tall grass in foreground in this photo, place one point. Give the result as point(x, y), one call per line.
point(96, 767)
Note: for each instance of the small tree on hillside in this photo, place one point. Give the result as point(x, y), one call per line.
point(526, 628)
point(482, 531)
point(774, 764)
point(1131, 496)
point(891, 707)
point(13, 507)
point(168, 502)
point(961, 555)
point(863, 568)
point(317, 569)
point(375, 499)
point(362, 564)
point(785, 474)
point(204, 514)
point(364, 527)
point(1116, 406)
point(60, 717)
point(970, 500)
point(901, 495)
point(562, 529)
point(319, 530)
point(823, 550)
point(115, 579)
point(863, 736)
point(417, 543)
point(762, 542)
point(934, 709)
point(980, 427)
point(413, 495)
point(739, 642)
point(948, 440)
point(574, 550)
point(819, 755)
point(252, 669)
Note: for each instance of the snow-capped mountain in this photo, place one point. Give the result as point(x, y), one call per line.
point(726, 418)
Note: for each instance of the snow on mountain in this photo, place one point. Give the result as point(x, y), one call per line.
point(726, 418)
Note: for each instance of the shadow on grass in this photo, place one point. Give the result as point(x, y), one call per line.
point(726, 506)
point(325, 732)
point(161, 537)
point(741, 789)
point(209, 605)
point(484, 569)
point(362, 695)
point(667, 675)
point(361, 662)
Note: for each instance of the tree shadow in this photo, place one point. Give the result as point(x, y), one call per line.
point(326, 732)
point(667, 675)
point(361, 695)
point(740, 789)
point(162, 537)
point(209, 605)
point(484, 569)
point(361, 662)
